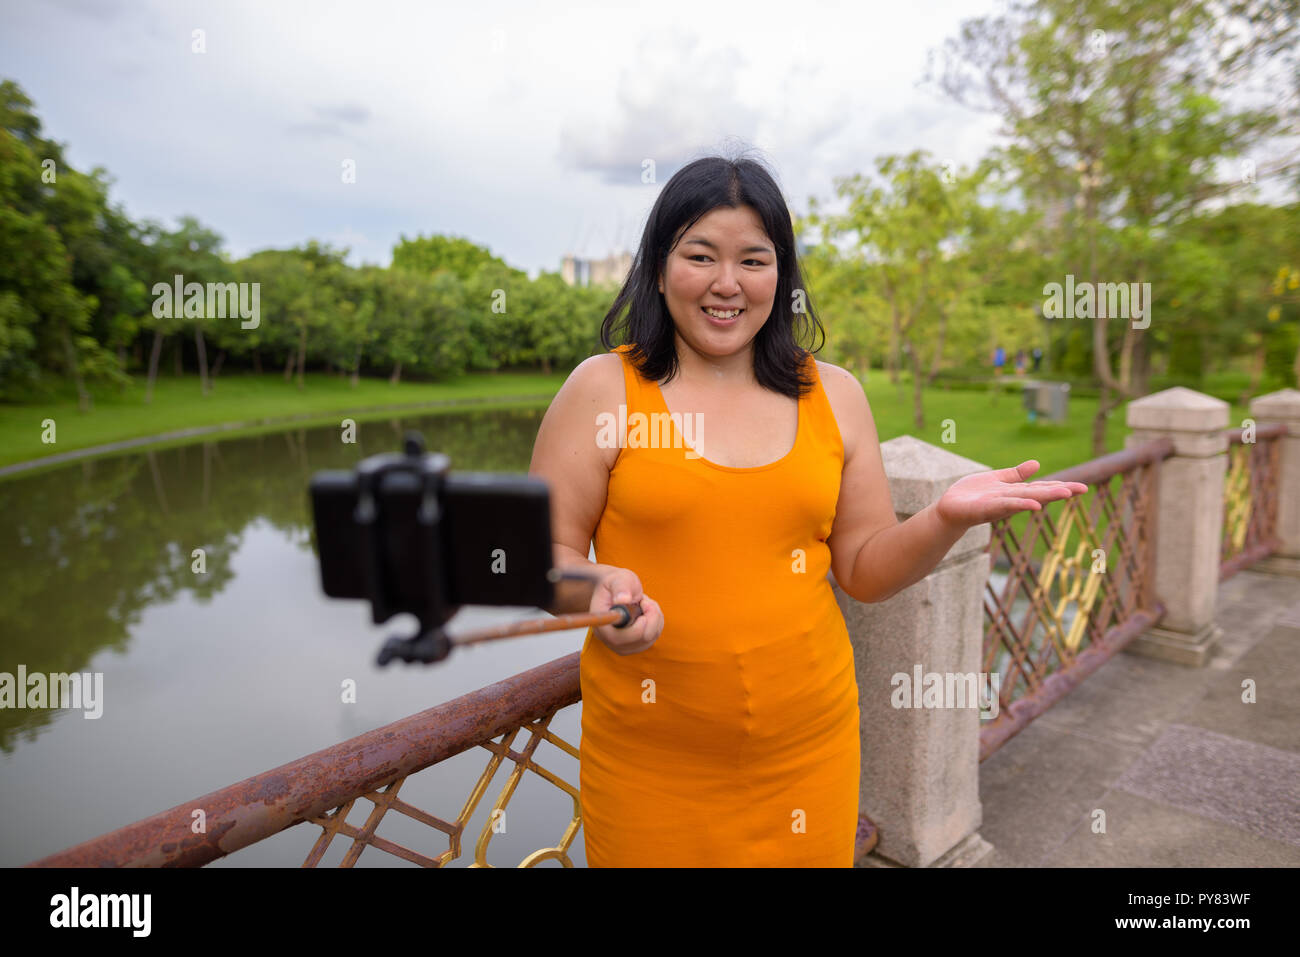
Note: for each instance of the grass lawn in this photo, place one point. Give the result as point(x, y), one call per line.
point(991, 427)
point(254, 401)
point(994, 429)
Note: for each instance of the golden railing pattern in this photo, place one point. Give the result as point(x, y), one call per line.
point(323, 788)
point(335, 822)
point(1077, 586)
point(1249, 497)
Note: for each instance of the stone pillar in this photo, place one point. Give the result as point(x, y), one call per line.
point(1189, 519)
point(1284, 407)
point(920, 767)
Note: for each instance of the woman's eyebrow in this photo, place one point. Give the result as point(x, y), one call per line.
point(748, 249)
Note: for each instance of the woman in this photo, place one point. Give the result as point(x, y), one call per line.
point(721, 727)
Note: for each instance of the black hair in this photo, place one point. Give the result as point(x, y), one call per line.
point(698, 188)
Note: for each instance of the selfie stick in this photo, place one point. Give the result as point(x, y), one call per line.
point(435, 644)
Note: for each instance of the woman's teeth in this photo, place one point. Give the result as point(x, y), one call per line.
point(718, 314)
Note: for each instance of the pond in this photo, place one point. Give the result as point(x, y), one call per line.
point(212, 677)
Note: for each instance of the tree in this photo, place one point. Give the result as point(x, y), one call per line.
point(854, 315)
point(499, 319)
point(434, 254)
point(911, 231)
point(1120, 114)
point(192, 252)
point(63, 277)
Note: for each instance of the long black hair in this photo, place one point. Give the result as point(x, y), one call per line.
point(698, 188)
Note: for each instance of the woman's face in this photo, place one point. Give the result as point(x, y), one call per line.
point(725, 260)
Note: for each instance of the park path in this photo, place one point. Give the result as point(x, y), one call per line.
point(1186, 773)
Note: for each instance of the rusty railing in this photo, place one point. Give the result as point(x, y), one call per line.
point(322, 788)
point(1090, 595)
point(1250, 498)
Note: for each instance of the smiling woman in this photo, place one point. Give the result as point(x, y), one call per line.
point(719, 240)
point(721, 728)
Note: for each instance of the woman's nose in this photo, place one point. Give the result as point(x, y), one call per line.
point(726, 284)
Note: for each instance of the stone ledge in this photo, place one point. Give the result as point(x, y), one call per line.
point(969, 852)
point(1178, 647)
point(1278, 565)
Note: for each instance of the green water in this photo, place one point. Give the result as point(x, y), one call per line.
point(212, 677)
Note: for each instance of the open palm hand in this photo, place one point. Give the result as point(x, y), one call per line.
point(1001, 493)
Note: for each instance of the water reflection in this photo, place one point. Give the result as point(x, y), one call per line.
point(209, 677)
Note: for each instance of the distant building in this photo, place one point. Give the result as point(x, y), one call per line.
point(593, 272)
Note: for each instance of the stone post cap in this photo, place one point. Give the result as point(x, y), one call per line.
point(1195, 421)
point(919, 473)
point(1280, 406)
point(1178, 410)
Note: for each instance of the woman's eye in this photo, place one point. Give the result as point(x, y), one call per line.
point(756, 262)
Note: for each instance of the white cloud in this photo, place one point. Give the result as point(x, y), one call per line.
point(521, 126)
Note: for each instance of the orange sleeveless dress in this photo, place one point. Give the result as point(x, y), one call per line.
point(733, 740)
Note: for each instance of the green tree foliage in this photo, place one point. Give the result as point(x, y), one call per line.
point(82, 290)
point(1113, 170)
point(915, 229)
point(192, 252)
point(435, 254)
point(842, 293)
point(1121, 116)
point(67, 293)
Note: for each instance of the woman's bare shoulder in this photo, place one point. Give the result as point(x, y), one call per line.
point(594, 388)
point(834, 373)
point(598, 378)
point(848, 401)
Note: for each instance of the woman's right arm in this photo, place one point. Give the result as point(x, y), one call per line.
point(567, 456)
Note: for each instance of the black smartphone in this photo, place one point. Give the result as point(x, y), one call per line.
point(490, 543)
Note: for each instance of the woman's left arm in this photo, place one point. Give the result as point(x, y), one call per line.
point(873, 555)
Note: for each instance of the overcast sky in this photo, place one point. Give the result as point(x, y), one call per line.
point(520, 125)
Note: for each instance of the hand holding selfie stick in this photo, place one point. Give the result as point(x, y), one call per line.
point(620, 616)
point(435, 644)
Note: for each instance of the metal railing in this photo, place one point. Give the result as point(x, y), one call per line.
point(322, 788)
point(1058, 619)
point(1092, 592)
point(1250, 498)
